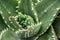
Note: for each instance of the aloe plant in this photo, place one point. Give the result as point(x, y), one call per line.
point(29, 19)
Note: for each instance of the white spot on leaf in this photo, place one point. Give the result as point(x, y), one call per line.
point(57, 8)
point(16, 10)
point(38, 0)
point(1, 12)
point(35, 3)
point(17, 6)
point(18, 1)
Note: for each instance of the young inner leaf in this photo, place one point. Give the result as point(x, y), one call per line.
point(25, 20)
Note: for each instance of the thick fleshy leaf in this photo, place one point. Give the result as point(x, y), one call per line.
point(9, 35)
point(30, 31)
point(48, 35)
point(7, 8)
point(47, 13)
point(26, 7)
point(56, 25)
point(2, 24)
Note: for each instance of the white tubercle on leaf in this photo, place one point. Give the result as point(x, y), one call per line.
point(1, 12)
point(38, 1)
point(9, 12)
point(35, 3)
point(57, 8)
point(54, 15)
point(16, 10)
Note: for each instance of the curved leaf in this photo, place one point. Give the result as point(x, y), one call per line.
point(2, 24)
point(56, 25)
point(7, 8)
point(48, 35)
point(47, 13)
point(9, 35)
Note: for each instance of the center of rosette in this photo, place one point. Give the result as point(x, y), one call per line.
point(25, 20)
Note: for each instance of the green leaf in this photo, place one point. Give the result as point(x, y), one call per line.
point(48, 35)
point(47, 13)
point(9, 35)
point(7, 8)
point(56, 25)
point(27, 7)
point(2, 24)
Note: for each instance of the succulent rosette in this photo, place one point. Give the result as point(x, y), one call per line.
point(29, 19)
